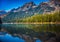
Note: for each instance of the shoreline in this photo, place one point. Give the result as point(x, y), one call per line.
point(34, 23)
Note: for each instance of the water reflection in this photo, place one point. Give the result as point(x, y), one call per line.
point(32, 32)
point(9, 38)
point(0, 26)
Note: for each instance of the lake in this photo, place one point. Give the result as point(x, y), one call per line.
point(28, 32)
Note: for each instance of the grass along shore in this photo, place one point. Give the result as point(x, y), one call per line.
point(34, 23)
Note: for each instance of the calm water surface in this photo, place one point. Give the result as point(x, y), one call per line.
point(27, 32)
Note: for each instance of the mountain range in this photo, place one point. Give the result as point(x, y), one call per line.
point(2, 12)
point(30, 9)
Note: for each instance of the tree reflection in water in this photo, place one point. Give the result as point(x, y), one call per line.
point(32, 32)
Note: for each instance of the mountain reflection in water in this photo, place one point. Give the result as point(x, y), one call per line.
point(9, 38)
point(29, 32)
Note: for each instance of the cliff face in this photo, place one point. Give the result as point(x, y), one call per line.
point(56, 2)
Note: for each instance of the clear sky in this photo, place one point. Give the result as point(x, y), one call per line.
point(10, 4)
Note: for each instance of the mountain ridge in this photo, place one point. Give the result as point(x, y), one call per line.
point(30, 9)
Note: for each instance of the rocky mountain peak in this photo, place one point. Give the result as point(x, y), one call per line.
point(28, 6)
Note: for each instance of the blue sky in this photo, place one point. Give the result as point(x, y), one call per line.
point(10, 4)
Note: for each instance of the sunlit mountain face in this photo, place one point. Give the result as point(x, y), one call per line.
point(17, 5)
point(29, 9)
point(8, 6)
